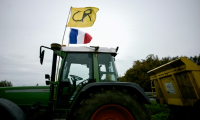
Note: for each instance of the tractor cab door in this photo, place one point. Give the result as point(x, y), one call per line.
point(107, 69)
point(77, 69)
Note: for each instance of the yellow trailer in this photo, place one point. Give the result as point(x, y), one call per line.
point(177, 84)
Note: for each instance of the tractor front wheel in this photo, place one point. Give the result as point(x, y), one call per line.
point(111, 104)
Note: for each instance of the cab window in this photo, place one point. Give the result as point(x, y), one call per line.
point(107, 69)
point(77, 67)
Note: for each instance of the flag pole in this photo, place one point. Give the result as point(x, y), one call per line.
point(62, 41)
point(66, 25)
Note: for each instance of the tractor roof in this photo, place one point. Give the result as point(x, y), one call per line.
point(89, 49)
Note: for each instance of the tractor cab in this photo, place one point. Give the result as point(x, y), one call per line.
point(88, 64)
point(79, 66)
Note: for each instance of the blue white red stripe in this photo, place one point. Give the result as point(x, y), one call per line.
point(79, 37)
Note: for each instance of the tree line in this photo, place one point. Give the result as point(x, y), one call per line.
point(138, 72)
point(5, 83)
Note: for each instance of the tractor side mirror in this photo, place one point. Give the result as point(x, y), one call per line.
point(41, 57)
point(42, 53)
point(47, 82)
point(47, 76)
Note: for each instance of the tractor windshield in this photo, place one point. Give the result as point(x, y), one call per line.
point(107, 68)
point(77, 67)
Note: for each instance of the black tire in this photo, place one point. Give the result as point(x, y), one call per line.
point(195, 111)
point(105, 97)
point(10, 111)
point(179, 112)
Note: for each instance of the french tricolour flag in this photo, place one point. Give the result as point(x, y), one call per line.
point(79, 37)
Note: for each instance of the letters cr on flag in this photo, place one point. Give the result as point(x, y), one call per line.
point(79, 37)
point(82, 17)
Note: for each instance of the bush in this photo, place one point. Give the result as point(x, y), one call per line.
point(157, 111)
point(160, 116)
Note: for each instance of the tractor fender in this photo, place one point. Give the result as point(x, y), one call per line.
point(10, 110)
point(132, 88)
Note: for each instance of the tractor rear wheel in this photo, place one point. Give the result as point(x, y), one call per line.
point(10, 111)
point(111, 104)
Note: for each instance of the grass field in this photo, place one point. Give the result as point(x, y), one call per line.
point(157, 112)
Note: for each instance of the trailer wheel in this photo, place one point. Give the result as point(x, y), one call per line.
point(111, 104)
point(10, 111)
point(195, 110)
point(179, 112)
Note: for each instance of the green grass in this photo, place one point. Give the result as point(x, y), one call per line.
point(157, 112)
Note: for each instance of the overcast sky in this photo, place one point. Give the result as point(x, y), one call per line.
point(138, 27)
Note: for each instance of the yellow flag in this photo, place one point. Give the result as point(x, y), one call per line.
point(82, 17)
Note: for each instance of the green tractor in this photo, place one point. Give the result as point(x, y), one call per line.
point(87, 88)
